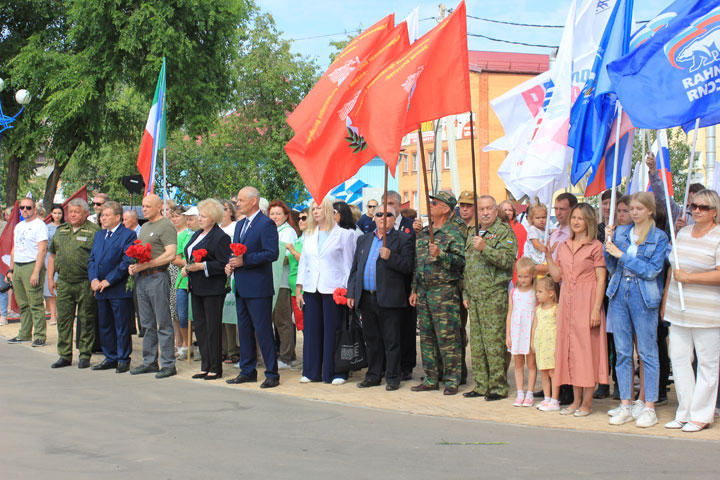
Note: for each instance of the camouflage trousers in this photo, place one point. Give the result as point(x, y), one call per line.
point(488, 318)
point(438, 312)
point(71, 298)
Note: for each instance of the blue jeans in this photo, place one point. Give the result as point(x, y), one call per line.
point(631, 316)
point(181, 299)
point(4, 298)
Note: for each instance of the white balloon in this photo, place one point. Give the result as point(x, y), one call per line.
point(22, 97)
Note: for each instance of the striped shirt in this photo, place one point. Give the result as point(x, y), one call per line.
point(701, 301)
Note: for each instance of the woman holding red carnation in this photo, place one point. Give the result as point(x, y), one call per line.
point(209, 250)
point(324, 266)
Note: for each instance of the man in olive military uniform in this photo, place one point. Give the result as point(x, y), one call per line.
point(69, 255)
point(490, 257)
point(439, 268)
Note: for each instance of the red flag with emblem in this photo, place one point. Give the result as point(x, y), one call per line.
point(309, 114)
point(326, 157)
point(81, 193)
point(431, 79)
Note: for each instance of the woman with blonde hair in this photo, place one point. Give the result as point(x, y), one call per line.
point(697, 327)
point(581, 350)
point(324, 265)
point(634, 257)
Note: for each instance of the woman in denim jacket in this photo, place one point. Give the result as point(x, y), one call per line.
point(634, 256)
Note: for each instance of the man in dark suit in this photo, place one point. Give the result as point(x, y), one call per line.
point(408, 344)
point(254, 288)
point(108, 273)
point(377, 286)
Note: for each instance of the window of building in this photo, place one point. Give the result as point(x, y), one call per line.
point(446, 160)
point(403, 159)
point(414, 158)
point(405, 197)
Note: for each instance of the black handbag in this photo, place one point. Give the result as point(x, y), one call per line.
point(350, 352)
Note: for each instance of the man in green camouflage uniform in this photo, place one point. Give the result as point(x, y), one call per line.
point(69, 256)
point(439, 268)
point(488, 271)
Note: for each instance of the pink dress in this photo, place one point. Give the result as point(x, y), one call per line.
point(581, 357)
point(521, 321)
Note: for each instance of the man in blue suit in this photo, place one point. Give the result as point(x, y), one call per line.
point(108, 272)
point(254, 288)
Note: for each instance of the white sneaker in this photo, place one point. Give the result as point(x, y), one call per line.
point(550, 407)
point(182, 353)
point(304, 379)
point(637, 408)
point(621, 417)
point(647, 418)
point(283, 366)
point(613, 411)
point(338, 381)
point(3, 321)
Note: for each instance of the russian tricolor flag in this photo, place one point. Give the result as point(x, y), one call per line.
point(601, 177)
point(154, 137)
point(663, 161)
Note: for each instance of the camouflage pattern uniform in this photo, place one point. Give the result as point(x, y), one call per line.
point(72, 253)
point(463, 311)
point(487, 275)
point(438, 303)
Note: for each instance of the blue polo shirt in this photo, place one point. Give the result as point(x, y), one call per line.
point(370, 272)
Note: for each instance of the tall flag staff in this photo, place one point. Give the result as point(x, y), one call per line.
point(690, 169)
point(425, 182)
point(472, 149)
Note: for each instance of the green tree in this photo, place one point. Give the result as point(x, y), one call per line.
point(246, 146)
point(80, 58)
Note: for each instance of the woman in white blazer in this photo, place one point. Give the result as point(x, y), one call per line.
point(324, 265)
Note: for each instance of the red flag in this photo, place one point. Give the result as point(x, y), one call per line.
point(431, 79)
point(328, 156)
point(6, 239)
point(309, 115)
point(81, 193)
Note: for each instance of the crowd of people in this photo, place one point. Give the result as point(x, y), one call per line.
point(580, 302)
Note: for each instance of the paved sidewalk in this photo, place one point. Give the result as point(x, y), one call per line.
point(403, 400)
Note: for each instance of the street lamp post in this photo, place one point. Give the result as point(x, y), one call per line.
point(22, 97)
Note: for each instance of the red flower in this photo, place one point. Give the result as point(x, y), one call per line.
point(138, 253)
point(199, 254)
point(339, 296)
point(407, 230)
point(238, 249)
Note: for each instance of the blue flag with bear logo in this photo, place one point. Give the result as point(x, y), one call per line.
point(672, 76)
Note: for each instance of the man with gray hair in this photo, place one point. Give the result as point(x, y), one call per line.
point(377, 286)
point(69, 255)
point(130, 220)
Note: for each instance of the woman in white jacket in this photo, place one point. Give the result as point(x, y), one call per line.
point(324, 265)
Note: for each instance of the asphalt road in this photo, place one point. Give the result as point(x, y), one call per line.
point(78, 424)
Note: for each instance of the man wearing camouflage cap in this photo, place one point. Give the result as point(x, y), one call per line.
point(488, 271)
point(439, 269)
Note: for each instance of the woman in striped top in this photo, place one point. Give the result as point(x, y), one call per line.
point(698, 326)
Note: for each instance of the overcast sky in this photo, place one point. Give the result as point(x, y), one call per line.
point(300, 19)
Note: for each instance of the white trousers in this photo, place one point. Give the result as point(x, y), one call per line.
point(696, 396)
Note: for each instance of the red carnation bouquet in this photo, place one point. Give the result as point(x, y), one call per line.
point(339, 295)
point(198, 255)
point(138, 253)
point(238, 250)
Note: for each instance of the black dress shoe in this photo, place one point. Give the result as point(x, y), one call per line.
point(450, 391)
point(84, 363)
point(212, 376)
point(491, 397)
point(104, 365)
point(38, 343)
point(391, 387)
point(152, 368)
point(602, 391)
point(405, 376)
point(367, 383)
point(61, 362)
point(242, 379)
point(270, 383)
point(122, 367)
point(472, 394)
point(200, 375)
point(16, 340)
point(166, 372)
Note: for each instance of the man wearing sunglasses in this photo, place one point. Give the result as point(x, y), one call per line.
point(98, 202)
point(438, 271)
point(377, 287)
point(367, 221)
point(27, 271)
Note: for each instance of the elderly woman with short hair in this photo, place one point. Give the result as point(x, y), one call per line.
point(697, 327)
point(207, 285)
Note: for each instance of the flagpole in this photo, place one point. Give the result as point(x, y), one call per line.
point(671, 224)
point(690, 169)
point(425, 181)
point(165, 182)
point(472, 149)
point(613, 196)
point(384, 238)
